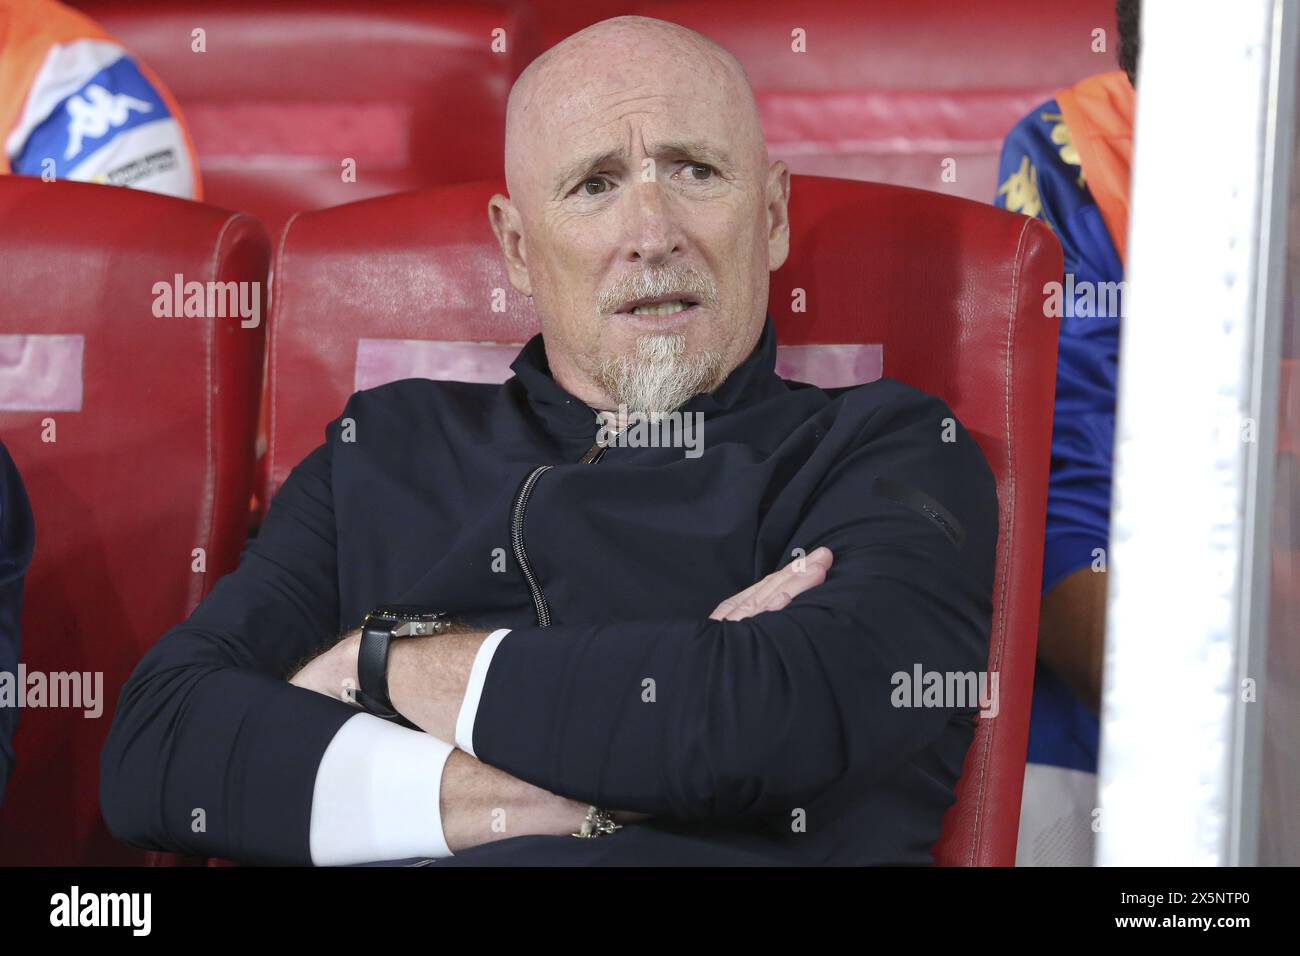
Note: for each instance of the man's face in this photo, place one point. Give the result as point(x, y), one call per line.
point(645, 236)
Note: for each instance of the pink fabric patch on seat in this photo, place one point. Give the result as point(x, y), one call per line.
point(41, 373)
point(831, 366)
point(380, 361)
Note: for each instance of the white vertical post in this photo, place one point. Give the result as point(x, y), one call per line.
point(1186, 613)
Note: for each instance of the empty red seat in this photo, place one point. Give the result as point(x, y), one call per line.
point(134, 434)
point(889, 90)
point(414, 93)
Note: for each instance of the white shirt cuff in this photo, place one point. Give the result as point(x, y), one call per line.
point(477, 675)
point(377, 795)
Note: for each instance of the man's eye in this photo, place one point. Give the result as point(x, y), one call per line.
point(599, 180)
point(705, 166)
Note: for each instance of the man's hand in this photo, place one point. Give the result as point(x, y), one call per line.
point(427, 683)
point(427, 680)
point(777, 589)
point(333, 673)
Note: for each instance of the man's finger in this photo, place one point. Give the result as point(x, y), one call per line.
point(722, 610)
point(793, 579)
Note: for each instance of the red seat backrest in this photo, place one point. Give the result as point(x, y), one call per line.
point(286, 91)
point(950, 290)
point(152, 426)
point(953, 290)
point(888, 90)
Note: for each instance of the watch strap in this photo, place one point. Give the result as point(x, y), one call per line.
point(372, 674)
point(372, 670)
point(372, 665)
point(372, 706)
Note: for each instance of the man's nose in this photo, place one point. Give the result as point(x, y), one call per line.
point(653, 233)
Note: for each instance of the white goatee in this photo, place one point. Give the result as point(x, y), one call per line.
point(661, 377)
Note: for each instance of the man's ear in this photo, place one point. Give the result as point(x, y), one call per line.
point(778, 215)
point(504, 219)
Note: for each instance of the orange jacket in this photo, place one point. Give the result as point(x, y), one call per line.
point(75, 105)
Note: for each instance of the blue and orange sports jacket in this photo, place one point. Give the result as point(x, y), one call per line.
point(75, 105)
point(1067, 163)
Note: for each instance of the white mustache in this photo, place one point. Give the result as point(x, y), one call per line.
point(644, 285)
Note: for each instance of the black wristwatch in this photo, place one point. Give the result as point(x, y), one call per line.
point(377, 632)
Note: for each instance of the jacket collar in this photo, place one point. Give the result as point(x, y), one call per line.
point(752, 379)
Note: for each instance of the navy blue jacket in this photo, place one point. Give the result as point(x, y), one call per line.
point(17, 539)
point(768, 740)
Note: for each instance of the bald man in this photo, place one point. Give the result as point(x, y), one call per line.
point(563, 643)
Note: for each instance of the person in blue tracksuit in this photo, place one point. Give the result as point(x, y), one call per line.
point(1067, 164)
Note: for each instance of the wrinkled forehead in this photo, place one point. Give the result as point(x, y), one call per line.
point(599, 103)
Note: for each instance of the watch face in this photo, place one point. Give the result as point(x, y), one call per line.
point(400, 613)
point(405, 620)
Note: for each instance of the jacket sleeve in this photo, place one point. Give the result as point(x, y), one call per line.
point(17, 540)
point(719, 720)
point(1037, 180)
point(211, 751)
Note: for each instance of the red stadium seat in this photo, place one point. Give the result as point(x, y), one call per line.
point(134, 435)
point(888, 90)
point(285, 92)
point(949, 291)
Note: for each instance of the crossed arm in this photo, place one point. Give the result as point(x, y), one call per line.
point(212, 752)
point(427, 684)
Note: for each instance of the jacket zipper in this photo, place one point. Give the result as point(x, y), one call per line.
point(593, 455)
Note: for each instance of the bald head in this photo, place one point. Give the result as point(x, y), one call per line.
point(614, 62)
point(638, 179)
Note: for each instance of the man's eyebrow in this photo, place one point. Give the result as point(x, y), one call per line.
point(586, 165)
point(677, 149)
point(693, 150)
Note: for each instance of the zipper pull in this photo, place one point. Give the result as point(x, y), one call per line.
point(597, 450)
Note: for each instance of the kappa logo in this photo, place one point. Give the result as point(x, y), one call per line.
point(95, 113)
